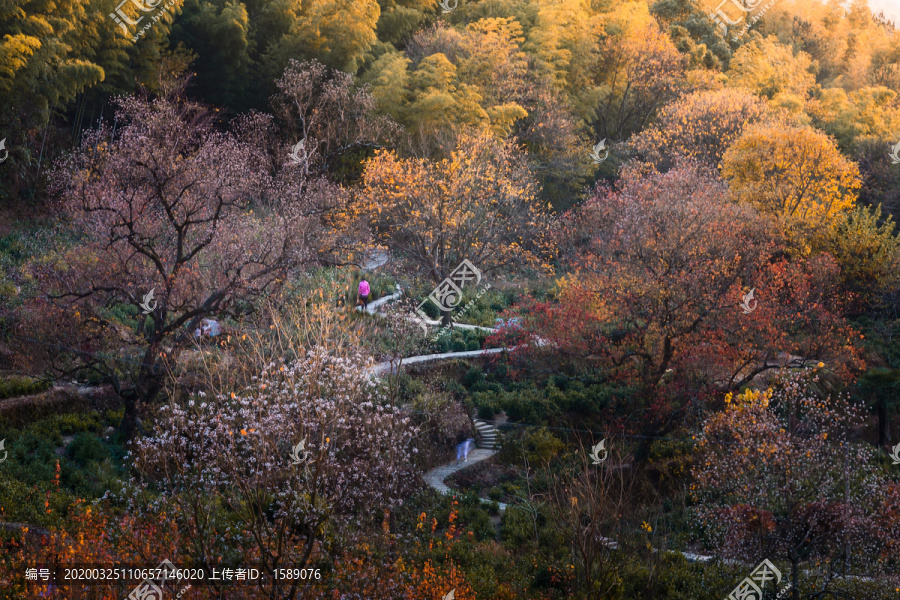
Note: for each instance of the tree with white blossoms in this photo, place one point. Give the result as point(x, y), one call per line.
point(227, 465)
point(334, 117)
point(778, 476)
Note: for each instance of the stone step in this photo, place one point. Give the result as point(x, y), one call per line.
point(488, 434)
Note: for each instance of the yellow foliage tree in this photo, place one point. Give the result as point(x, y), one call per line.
point(640, 70)
point(796, 173)
point(769, 68)
point(338, 33)
point(479, 204)
point(866, 246)
point(455, 78)
point(701, 126)
point(565, 42)
point(868, 113)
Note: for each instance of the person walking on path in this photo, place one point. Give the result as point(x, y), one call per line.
point(462, 450)
point(364, 293)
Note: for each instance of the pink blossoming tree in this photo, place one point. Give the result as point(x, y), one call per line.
point(164, 203)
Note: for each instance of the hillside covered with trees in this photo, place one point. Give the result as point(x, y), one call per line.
point(449, 299)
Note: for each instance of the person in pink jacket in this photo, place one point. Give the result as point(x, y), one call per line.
point(364, 293)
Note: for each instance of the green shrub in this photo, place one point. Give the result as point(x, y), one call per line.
point(487, 411)
point(31, 458)
point(671, 458)
point(486, 403)
point(459, 340)
point(21, 502)
point(12, 386)
point(458, 345)
point(456, 389)
point(113, 417)
point(529, 406)
point(86, 448)
point(573, 396)
point(537, 446)
point(409, 388)
point(489, 386)
point(495, 493)
point(473, 377)
point(517, 528)
point(56, 426)
point(473, 515)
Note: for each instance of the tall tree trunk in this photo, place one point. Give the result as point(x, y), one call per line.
point(795, 575)
point(128, 426)
point(143, 392)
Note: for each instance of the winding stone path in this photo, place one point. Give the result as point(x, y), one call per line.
point(387, 366)
point(435, 477)
point(374, 304)
point(375, 258)
point(487, 436)
point(436, 323)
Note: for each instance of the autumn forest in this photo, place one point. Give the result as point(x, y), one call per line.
point(450, 299)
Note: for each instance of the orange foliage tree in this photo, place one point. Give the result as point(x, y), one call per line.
point(639, 72)
point(701, 126)
point(659, 275)
point(479, 205)
point(427, 571)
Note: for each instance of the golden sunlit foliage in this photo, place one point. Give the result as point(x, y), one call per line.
point(639, 71)
point(871, 113)
point(338, 32)
point(701, 126)
point(470, 77)
point(850, 48)
point(479, 204)
point(866, 245)
point(771, 69)
point(796, 173)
